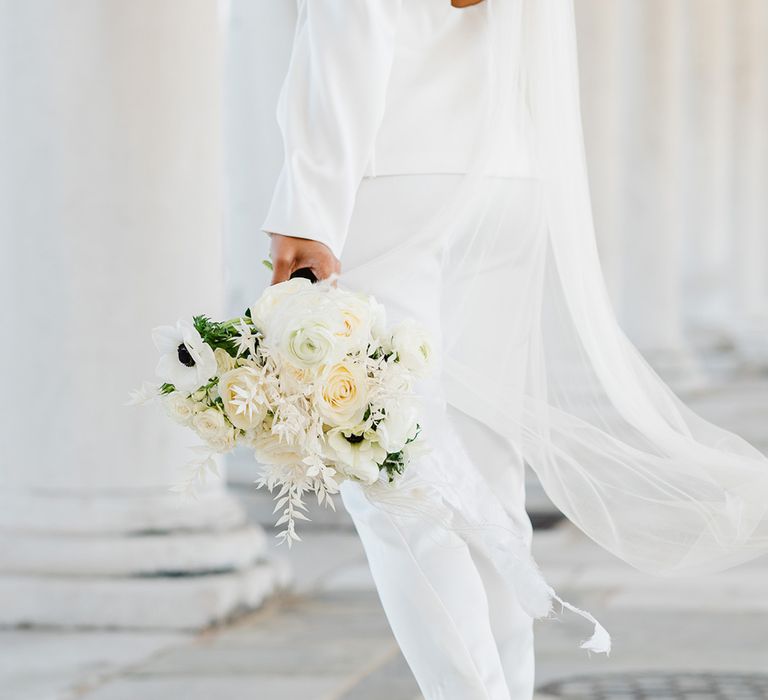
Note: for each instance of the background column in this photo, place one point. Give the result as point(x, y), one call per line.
point(708, 170)
point(110, 224)
point(749, 234)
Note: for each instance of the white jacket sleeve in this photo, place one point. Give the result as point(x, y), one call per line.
point(330, 108)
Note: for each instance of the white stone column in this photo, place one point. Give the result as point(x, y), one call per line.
point(601, 43)
point(651, 227)
point(110, 224)
point(258, 37)
point(749, 233)
point(708, 169)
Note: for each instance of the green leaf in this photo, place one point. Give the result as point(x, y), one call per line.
point(216, 334)
point(415, 435)
point(167, 388)
point(393, 464)
point(267, 264)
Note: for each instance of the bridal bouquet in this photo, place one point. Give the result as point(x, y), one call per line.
point(310, 379)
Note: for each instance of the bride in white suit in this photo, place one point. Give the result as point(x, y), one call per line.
point(434, 158)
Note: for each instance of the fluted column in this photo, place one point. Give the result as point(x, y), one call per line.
point(748, 280)
point(675, 103)
point(110, 221)
point(258, 37)
point(651, 228)
point(601, 64)
point(708, 168)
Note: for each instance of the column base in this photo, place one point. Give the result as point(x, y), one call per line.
point(189, 602)
point(132, 562)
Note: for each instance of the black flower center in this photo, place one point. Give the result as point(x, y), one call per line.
point(184, 357)
point(354, 439)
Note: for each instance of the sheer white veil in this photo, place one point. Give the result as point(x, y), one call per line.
point(614, 448)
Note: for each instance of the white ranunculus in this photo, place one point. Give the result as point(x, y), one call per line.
point(413, 347)
point(186, 362)
point(355, 458)
point(262, 309)
point(309, 344)
point(341, 394)
point(210, 424)
point(398, 426)
point(302, 328)
point(242, 392)
point(179, 407)
point(395, 378)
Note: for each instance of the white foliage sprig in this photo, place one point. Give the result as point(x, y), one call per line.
point(197, 471)
point(145, 394)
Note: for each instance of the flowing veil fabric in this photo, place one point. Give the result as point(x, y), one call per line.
point(613, 447)
point(623, 457)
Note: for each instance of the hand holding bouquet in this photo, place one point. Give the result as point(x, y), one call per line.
point(310, 379)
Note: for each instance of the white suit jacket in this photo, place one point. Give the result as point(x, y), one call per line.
point(380, 87)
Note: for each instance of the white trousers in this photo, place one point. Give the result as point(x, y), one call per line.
point(457, 621)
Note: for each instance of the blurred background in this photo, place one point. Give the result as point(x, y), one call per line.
point(138, 150)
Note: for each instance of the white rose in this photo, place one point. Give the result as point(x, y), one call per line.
point(398, 426)
point(261, 310)
point(293, 380)
point(179, 407)
point(412, 345)
point(341, 394)
point(186, 361)
point(224, 361)
point(355, 456)
point(357, 317)
point(270, 449)
point(210, 424)
point(242, 392)
point(224, 441)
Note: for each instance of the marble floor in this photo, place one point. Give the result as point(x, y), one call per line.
point(327, 638)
